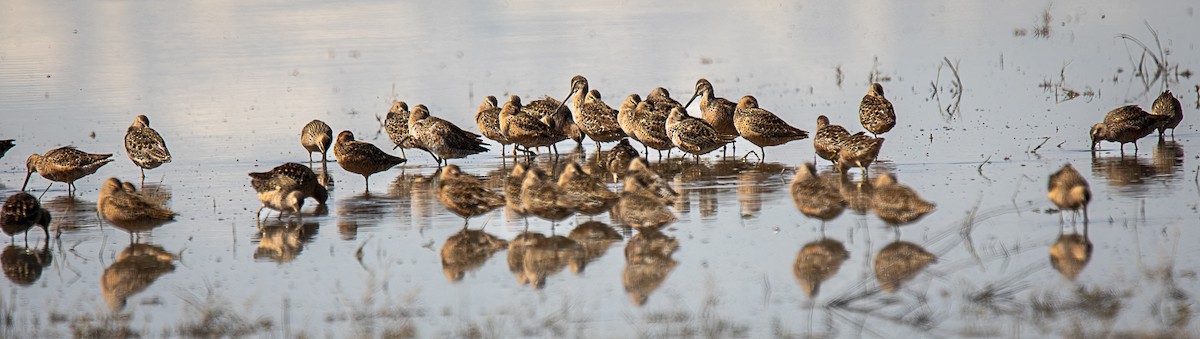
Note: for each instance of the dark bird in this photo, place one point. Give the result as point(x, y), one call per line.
point(285, 187)
point(1167, 105)
point(6, 145)
point(1126, 124)
point(21, 212)
point(362, 158)
point(876, 112)
point(641, 122)
point(618, 158)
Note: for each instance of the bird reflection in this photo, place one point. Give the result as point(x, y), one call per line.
point(532, 257)
point(596, 238)
point(647, 263)
point(1130, 173)
point(23, 265)
point(70, 213)
point(753, 183)
point(897, 204)
point(816, 197)
point(857, 194)
point(282, 241)
point(1071, 253)
point(1168, 157)
point(138, 266)
point(365, 209)
point(818, 261)
point(467, 250)
point(898, 262)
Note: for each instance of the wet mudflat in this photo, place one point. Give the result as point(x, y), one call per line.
point(990, 98)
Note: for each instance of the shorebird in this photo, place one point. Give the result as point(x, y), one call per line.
point(1126, 124)
point(129, 210)
point(718, 112)
point(761, 127)
point(900, 261)
point(639, 121)
point(542, 197)
point(289, 177)
point(859, 150)
point(441, 138)
point(897, 204)
point(488, 120)
point(814, 196)
point(465, 195)
point(64, 164)
point(618, 158)
point(693, 135)
point(362, 158)
point(592, 116)
point(524, 129)
point(829, 139)
point(875, 112)
point(144, 146)
point(1068, 190)
point(557, 116)
point(21, 212)
point(396, 126)
point(818, 261)
point(583, 192)
point(6, 145)
point(1166, 104)
point(316, 137)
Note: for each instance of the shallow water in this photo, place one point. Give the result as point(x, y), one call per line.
point(229, 85)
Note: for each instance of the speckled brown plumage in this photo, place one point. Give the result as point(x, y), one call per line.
point(316, 136)
point(129, 210)
point(542, 197)
point(396, 126)
point(467, 251)
point(64, 164)
point(898, 262)
point(362, 158)
point(1126, 124)
point(597, 120)
point(829, 139)
point(465, 195)
point(1068, 190)
point(521, 128)
point(584, 192)
point(145, 146)
point(136, 267)
point(693, 135)
point(1070, 254)
point(648, 262)
point(718, 112)
point(859, 150)
point(761, 127)
point(618, 158)
point(288, 177)
point(488, 121)
point(1167, 105)
point(818, 261)
point(897, 204)
point(554, 113)
point(814, 196)
point(22, 211)
point(440, 137)
point(875, 112)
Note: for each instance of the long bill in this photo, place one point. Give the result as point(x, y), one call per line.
point(689, 103)
point(564, 101)
point(27, 175)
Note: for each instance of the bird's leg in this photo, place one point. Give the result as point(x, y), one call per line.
point(258, 213)
point(764, 154)
point(367, 179)
point(144, 172)
point(46, 190)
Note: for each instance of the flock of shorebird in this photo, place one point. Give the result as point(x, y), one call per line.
point(658, 122)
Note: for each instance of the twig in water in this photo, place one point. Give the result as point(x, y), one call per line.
point(985, 161)
point(1044, 140)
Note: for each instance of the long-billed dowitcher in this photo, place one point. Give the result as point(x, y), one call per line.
point(693, 135)
point(362, 158)
point(718, 112)
point(524, 129)
point(900, 261)
point(859, 150)
point(21, 212)
point(288, 177)
point(829, 139)
point(441, 138)
point(396, 126)
point(465, 195)
point(488, 120)
point(554, 113)
point(316, 137)
point(584, 192)
point(6, 145)
point(761, 127)
point(1068, 190)
point(597, 120)
point(897, 204)
point(875, 112)
point(129, 210)
point(814, 196)
point(1126, 124)
point(818, 261)
point(542, 197)
point(638, 119)
point(64, 164)
point(1166, 104)
point(618, 158)
point(145, 146)
point(467, 250)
